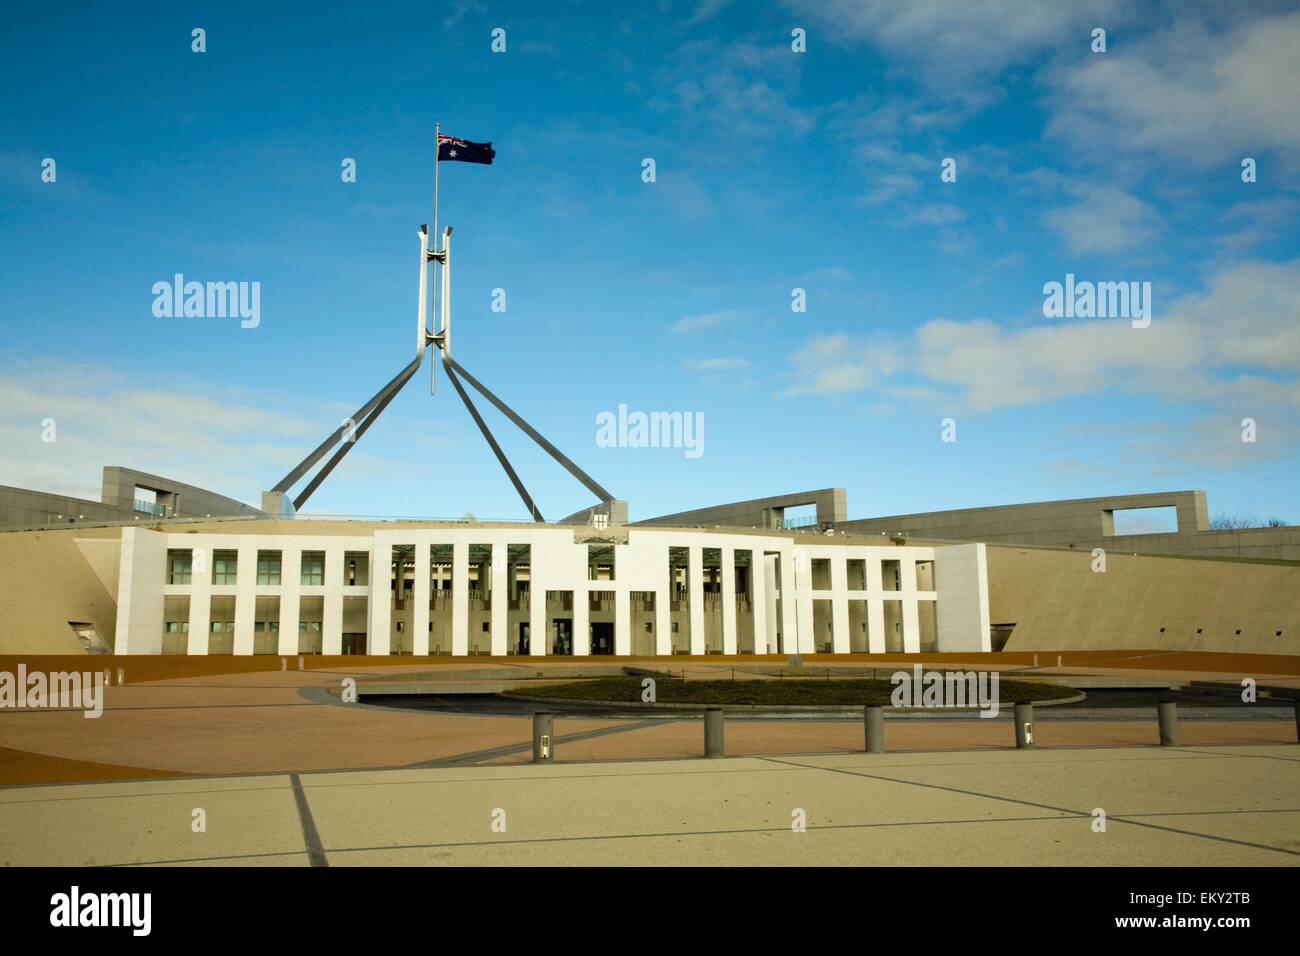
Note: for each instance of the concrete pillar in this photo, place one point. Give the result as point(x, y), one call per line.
point(728, 600)
point(623, 622)
point(714, 745)
point(759, 598)
point(663, 618)
point(873, 719)
point(1024, 715)
point(801, 580)
point(332, 607)
point(581, 620)
point(140, 605)
point(290, 593)
point(538, 632)
point(839, 605)
point(789, 625)
point(543, 733)
point(200, 617)
point(1167, 716)
point(875, 606)
point(245, 598)
point(911, 623)
point(379, 640)
point(460, 599)
point(500, 607)
point(695, 591)
point(420, 596)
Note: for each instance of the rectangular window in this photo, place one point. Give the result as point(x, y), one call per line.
point(179, 565)
point(1163, 520)
point(224, 566)
point(268, 567)
point(600, 562)
point(356, 568)
point(313, 567)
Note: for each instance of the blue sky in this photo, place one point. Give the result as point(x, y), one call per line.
point(775, 170)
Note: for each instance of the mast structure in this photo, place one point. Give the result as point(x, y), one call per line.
point(434, 303)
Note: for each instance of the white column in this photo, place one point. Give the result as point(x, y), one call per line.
point(460, 599)
point(623, 622)
point(332, 606)
point(245, 598)
point(875, 626)
point(875, 606)
point(581, 619)
point(379, 641)
point(789, 626)
point(500, 578)
point(839, 605)
point(663, 618)
point(538, 637)
point(728, 600)
point(140, 609)
point(200, 602)
point(911, 626)
point(200, 625)
point(759, 598)
point(290, 593)
point(695, 590)
point(420, 595)
point(803, 603)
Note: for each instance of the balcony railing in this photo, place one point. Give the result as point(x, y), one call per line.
point(150, 508)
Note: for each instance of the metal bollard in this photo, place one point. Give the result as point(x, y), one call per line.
point(302, 665)
point(543, 737)
point(121, 676)
point(713, 742)
point(1024, 725)
point(284, 664)
point(873, 718)
point(1167, 712)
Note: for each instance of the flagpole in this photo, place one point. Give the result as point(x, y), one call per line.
point(437, 148)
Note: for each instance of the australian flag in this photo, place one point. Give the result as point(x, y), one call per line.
point(451, 149)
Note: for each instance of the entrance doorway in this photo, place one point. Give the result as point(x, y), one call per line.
point(563, 636)
point(522, 646)
point(354, 643)
point(602, 638)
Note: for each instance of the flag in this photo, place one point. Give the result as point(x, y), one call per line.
point(451, 149)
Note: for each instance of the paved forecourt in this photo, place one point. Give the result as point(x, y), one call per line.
point(1237, 805)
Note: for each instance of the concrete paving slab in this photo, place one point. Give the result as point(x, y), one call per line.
point(1011, 843)
point(1175, 807)
point(125, 824)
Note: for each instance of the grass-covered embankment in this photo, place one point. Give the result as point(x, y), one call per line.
point(790, 691)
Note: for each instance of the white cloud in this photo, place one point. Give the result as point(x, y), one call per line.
point(226, 440)
point(837, 364)
point(722, 364)
point(957, 45)
point(1234, 347)
point(1103, 220)
point(935, 214)
point(1187, 93)
point(708, 320)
